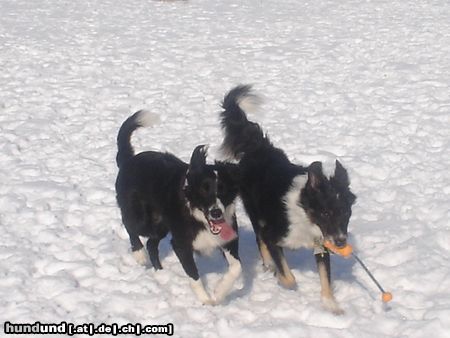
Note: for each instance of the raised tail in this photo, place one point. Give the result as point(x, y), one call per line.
point(241, 135)
point(142, 118)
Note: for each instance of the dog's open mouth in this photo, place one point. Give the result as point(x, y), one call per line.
point(221, 228)
point(216, 225)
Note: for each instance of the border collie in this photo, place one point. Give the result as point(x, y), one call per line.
point(158, 193)
point(289, 206)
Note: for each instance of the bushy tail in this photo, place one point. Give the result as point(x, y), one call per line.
point(241, 135)
point(142, 118)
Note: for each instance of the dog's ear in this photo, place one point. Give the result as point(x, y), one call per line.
point(340, 177)
point(198, 158)
point(315, 176)
point(342, 182)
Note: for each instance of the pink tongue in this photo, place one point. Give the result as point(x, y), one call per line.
point(226, 232)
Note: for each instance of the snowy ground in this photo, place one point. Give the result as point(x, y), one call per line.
point(367, 81)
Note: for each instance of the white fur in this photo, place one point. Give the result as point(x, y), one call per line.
point(318, 249)
point(206, 242)
point(146, 118)
point(200, 292)
point(301, 232)
point(226, 283)
point(229, 213)
point(199, 216)
point(249, 103)
point(329, 167)
point(141, 256)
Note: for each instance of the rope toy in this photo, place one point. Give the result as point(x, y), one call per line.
point(347, 251)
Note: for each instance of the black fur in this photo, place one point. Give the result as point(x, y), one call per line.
point(157, 194)
point(266, 177)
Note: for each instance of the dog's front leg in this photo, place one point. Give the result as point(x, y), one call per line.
point(323, 265)
point(186, 257)
point(234, 271)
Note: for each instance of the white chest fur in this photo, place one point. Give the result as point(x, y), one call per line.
point(206, 242)
point(301, 231)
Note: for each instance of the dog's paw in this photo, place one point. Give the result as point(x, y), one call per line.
point(219, 296)
point(141, 257)
point(269, 268)
point(210, 302)
point(331, 305)
point(288, 281)
point(200, 292)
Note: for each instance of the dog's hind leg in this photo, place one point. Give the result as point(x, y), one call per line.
point(153, 244)
point(328, 300)
point(137, 250)
point(284, 274)
point(186, 257)
point(153, 252)
point(263, 251)
point(132, 216)
point(223, 288)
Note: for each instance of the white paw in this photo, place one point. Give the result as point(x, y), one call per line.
point(331, 305)
point(200, 292)
point(219, 295)
point(141, 256)
point(209, 301)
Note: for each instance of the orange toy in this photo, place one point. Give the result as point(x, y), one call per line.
point(345, 250)
point(386, 297)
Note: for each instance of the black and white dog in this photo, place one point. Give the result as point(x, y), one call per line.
point(289, 206)
point(158, 193)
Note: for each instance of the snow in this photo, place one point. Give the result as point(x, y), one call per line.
point(364, 81)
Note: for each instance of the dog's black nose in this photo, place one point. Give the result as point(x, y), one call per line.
point(215, 213)
point(340, 242)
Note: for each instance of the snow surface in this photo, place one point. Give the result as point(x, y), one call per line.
point(366, 81)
